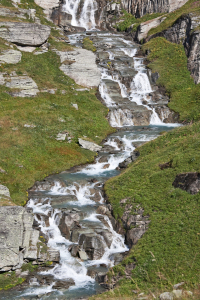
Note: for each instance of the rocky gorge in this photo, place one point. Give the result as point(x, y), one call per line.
point(68, 228)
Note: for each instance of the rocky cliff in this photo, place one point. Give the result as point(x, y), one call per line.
point(140, 8)
point(19, 241)
point(186, 31)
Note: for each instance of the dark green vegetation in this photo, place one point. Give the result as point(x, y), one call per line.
point(190, 6)
point(129, 19)
point(9, 280)
point(88, 44)
point(170, 61)
point(169, 252)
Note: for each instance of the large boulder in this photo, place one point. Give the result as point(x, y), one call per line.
point(82, 69)
point(25, 34)
point(89, 145)
point(93, 245)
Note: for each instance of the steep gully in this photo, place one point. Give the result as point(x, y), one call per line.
point(69, 208)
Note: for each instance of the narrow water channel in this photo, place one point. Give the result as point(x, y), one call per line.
point(92, 245)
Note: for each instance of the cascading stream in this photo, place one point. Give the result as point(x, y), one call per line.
point(83, 13)
point(79, 194)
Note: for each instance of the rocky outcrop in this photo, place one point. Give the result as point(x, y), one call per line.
point(24, 34)
point(18, 239)
point(143, 28)
point(89, 145)
point(80, 65)
point(189, 182)
point(184, 31)
point(21, 86)
point(10, 56)
point(139, 8)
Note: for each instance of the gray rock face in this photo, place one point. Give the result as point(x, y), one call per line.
point(189, 182)
point(183, 31)
point(93, 245)
point(23, 86)
point(83, 68)
point(89, 145)
point(18, 13)
point(18, 239)
point(144, 28)
point(10, 56)
point(140, 8)
point(25, 34)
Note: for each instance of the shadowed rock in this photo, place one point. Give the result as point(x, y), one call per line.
point(189, 182)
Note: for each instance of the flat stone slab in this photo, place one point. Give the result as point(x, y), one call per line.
point(10, 56)
point(47, 4)
point(83, 70)
point(89, 145)
point(23, 86)
point(27, 34)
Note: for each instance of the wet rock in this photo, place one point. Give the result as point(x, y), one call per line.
point(107, 236)
point(106, 166)
point(83, 255)
point(189, 182)
point(27, 34)
point(96, 195)
point(89, 145)
point(103, 159)
point(63, 227)
point(125, 163)
point(53, 255)
point(166, 115)
point(58, 200)
point(118, 257)
point(93, 245)
point(74, 249)
point(76, 232)
point(64, 284)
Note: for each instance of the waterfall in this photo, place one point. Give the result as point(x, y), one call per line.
point(120, 118)
point(83, 14)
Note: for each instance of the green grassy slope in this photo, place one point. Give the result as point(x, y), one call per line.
point(169, 252)
point(170, 61)
point(30, 154)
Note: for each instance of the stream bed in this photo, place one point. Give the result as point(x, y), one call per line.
point(69, 207)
